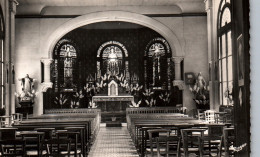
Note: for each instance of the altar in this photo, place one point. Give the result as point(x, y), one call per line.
point(112, 103)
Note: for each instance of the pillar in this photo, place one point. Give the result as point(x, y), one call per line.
point(47, 69)
point(12, 7)
point(38, 110)
point(8, 56)
point(177, 64)
point(211, 65)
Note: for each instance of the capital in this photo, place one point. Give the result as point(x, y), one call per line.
point(12, 5)
point(46, 61)
point(45, 86)
point(179, 84)
point(177, 60)
point(208, 4)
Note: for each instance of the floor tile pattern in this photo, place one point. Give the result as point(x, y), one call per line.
point(113, 142)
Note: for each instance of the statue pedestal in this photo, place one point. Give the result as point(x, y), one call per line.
point(26, 108)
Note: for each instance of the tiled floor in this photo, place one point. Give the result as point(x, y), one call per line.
point(113, 142)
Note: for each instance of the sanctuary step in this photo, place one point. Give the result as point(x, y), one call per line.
point(108, 116)
point(113, 124)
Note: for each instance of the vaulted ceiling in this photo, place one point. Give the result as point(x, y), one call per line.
point(45, 6)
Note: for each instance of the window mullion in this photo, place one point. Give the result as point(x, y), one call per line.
point(226, 59)
point(221, 60)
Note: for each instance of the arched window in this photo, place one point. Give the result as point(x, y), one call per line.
point(225, 74)
point(112, 57)
point(64, 69)
point(2, 32)
point(157, 62)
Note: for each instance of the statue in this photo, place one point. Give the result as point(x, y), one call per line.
point(28, 92)
point(27, 83)
point(201, 93)
point(200, 84)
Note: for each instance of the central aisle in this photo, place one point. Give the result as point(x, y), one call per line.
point(113, 142)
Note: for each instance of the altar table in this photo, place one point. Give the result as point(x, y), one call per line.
point(113, 103)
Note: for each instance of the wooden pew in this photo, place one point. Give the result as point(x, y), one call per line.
point(60, 119)
point(139, 120)
point(61, 125)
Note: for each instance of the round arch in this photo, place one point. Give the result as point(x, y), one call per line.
point(114, 16)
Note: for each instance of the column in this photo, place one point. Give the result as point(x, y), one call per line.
point(209, 10)
point(177, 64)
point(47, 69)
point(9, 53)
point(38, 105)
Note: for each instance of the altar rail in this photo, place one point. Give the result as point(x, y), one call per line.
point(148, 110)
point(78, 110)
point(152, 113)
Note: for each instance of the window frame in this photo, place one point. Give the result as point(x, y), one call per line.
point(223, 31)
point(2, 56)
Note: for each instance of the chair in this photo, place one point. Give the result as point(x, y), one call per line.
point(81, 138)
point(12, 148)
point(210, 116)
point(57, 147)
point(73, 137)
point(143, 137)
point(164, 142)
point(192, 141)
point(201, 114)
point(229, 115)
point(4, 121)
point(34, 142)
point(16, 118)
point(227, 140)
point(153, 134)
point(213, 139)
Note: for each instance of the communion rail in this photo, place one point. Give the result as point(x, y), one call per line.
point(152, 113)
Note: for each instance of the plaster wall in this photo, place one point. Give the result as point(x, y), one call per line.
point(196, 56)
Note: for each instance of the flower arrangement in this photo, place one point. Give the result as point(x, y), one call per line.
point(148, 97)
point(228, 96)
point(92, 104)
point(135, 104)
point(75, 102)
point(165, 97)
point(150, 102)
point(60, 100)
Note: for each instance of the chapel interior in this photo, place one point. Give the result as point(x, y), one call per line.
point(124, 78)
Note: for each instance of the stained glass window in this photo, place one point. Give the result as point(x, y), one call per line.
point(225, 76)
point(64, 67)
point(112, 57)
point(156, 64)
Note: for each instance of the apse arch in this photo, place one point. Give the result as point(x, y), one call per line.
point(122, 16)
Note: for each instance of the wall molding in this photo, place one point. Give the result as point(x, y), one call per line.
point(149, 15)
